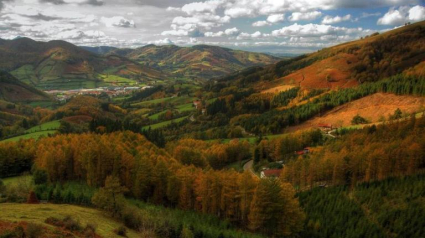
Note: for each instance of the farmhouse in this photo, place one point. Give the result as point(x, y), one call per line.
point(325, 126)
point(197, 104)
point(270, 173)
point(303, 152)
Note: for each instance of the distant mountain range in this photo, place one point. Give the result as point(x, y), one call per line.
point(200, 61)
point(62, 65)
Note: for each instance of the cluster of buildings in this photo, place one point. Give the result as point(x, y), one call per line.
point(64, 95)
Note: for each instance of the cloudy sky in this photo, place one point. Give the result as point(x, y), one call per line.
point(285, 26)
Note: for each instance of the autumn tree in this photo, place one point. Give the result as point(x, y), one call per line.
point(274, 210)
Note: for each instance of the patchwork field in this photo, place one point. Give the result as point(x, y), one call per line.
point(165, 123)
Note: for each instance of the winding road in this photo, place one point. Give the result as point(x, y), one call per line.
point(248, 167)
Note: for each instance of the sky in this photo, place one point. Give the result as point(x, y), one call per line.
point(275, 26)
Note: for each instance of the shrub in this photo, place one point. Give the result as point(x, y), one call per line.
point(89, 231)
point(71, 225)
point(40, 177)
point(32, 198)
point(34, 230)
point(121, 231)
point(54, 221)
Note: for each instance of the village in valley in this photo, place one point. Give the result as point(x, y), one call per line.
point(111, 92)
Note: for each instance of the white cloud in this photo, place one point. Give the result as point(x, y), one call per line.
point(272, 19)
point(232, 31)
point(237, 12)
point(417, 13)
point(315, 30)
point(202, 7)
point(165, 41)
point(275, 18)
point(244, 35)
point(336, 19)
point(117, 21)
point(402, 15)
point(261, 23)
point(304, 16)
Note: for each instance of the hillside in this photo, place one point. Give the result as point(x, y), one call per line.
point(200, 61)
point(13, 90)
point(39, 213)
point(375, 57)
point(61, 65)
point(372, 108)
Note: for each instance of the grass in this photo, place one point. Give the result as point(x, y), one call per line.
point(249, 139)
point(175, 100)
point(34, 135)
point(48, 126)
point(39, 212)
point(15, 180)
point(185, 107)
point(43, 104)
point(117, 79)
point(156, 115)
point(165, 123)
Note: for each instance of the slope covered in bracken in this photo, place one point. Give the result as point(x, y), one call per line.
point(373, 108)
point(366, 60)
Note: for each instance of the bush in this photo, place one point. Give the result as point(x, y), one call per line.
point(71, 225)
point(121, 231)
point(40, 177)
point(54, 221)
point(34, 230)
point(89, 231)
point(32, 198)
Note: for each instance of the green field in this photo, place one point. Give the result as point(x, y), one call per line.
point(174, 100)
point(109, 78)
point(48, 126)
point(165, 123)
point(249, 139)
point(185, 107)
point(37, 213)
point(43, 104)
point(156, 115)
point(34, 135)
point(15, 180)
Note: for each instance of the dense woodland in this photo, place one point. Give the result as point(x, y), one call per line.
point(151, 174)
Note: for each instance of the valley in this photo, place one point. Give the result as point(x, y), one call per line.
point(211, 142)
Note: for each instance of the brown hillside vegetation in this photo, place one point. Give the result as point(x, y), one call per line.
point(369, 59)
point(372, 108)
point(329, 73)
point(373, 58)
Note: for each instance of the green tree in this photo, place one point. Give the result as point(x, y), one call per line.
point(357, 119)
point(40, 176)
point(110, 197)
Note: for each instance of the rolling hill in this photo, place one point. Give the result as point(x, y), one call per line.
point(200, 61)
point(13, 90)
point(61, 65)
point(370, 59)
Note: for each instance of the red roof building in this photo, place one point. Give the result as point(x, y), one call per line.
point(269, 173)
